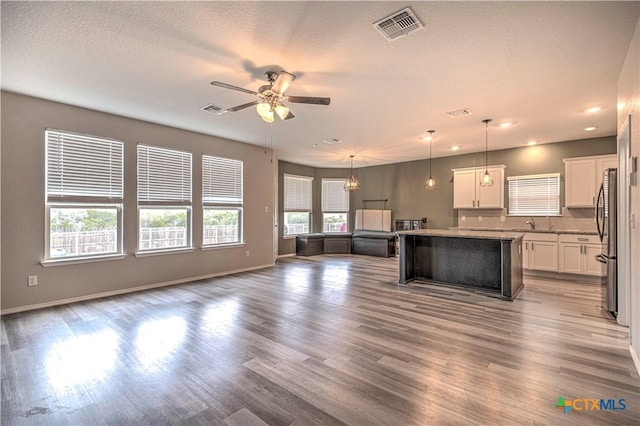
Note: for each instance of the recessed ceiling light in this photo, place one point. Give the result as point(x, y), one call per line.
point(531, 143)
point(455, 148)
point(592, 110)
point(590, 129)
point(315, 145)
point(505, 125)
point(459, 113)
point(332, 141)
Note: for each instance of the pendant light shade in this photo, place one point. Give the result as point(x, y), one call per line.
point(430, 183)
point(351, 184)
point(486, 179)
point(265, 111)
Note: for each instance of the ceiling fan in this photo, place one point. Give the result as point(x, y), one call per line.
point(271, 97)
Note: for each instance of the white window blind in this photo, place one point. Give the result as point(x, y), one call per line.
point(297, 193)
point(536, 195)
point(83, 168)
point(334, 197)
point(221, 181)
point(164, 176)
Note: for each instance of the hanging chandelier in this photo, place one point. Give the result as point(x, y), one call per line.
point(351, 184)
point(486, 180)
point(430, 183)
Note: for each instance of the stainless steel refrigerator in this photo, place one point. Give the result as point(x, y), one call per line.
point(606, 222)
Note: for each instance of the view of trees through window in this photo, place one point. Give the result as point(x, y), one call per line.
point(334, 222)
point(163, 228)
point(81, 231)
point(221, 226)
point(296, 223)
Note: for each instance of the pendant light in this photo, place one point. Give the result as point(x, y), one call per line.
point(486, 180)
point(351, 184)
point(430, 183)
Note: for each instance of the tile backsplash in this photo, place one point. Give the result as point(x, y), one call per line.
point(571, 219)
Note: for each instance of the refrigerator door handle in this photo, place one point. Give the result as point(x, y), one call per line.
point(600, 258)
point(600, 226)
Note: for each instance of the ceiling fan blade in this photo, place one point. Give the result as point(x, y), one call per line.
point(229, 86)
point(243, 106)
point(309, 100)
point(282, 82)
point(289, 116)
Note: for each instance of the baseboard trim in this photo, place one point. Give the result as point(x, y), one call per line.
point(560, 276)
point(287, 255)
point(636, 359)
point(127, 290)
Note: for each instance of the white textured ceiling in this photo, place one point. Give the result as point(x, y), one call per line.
point(537, 64)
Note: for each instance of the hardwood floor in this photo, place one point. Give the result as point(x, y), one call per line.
point(320, 340)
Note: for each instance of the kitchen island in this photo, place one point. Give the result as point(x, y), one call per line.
point(491, 261)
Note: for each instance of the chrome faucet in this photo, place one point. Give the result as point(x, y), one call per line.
point(532, 223)
point(549, 225)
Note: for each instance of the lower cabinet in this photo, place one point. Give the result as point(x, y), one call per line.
point(578, 253)
point(540, 252)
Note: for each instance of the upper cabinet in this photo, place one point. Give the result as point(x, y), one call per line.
point(468, 194)
point(582, 177)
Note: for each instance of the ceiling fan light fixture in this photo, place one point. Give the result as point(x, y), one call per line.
point(486, 179)
point(283, 82)
point(351, 184)
point(281, 110)
point(265, 112)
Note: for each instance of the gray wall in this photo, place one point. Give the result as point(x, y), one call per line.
point(403, 183)
point(24, 120)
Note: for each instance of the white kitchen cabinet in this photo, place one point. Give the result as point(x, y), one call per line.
point(468, 194)
point(577, 254)
point(582, 177)
point(540, 252)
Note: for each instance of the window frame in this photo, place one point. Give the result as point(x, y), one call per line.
point(158, 201)
point(521, 213)
point(61, 199)
point(326, 210)
point(308, 211)
point(234, 202)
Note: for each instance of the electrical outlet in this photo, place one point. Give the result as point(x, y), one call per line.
point(32, 280)
point(479, 218)
point(266, 209)
point(246, 253)
point(463, 218)
point(502, 218)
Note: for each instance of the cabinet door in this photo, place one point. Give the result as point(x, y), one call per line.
point(464, 189)
point(570, 258)
point(491, 197)
point(544, 256)
point(525, 254)
point(590, 264)
point(580, 183)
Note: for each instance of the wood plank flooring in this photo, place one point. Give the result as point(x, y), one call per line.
point(323, 340)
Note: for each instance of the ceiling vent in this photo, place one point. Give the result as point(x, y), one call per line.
point(332, 141)
point(214, 109)
point(398, 25)
point(459, 113)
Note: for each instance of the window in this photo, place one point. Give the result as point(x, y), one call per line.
point(164, 198)
point(335, 205)
point(535, 195)
point(221, 201)
point(297, 204)
point(84, 187)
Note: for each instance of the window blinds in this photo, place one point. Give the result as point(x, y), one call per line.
point(334, 197)
point(221, 181)
point(536, 195)
point(83, 168)
point(297, 193)
point(164, 176)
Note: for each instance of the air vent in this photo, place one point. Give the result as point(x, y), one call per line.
point(459, 113)
point(214, 109)
point(332, 141)
point(398, 25)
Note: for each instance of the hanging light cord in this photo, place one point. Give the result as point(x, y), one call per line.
point(486, 145)
point(430, 143)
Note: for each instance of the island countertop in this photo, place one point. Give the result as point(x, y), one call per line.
point(465, 233)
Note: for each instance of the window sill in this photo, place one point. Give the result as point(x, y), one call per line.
point(221, 246)
point(161, 252)
point(76, 260)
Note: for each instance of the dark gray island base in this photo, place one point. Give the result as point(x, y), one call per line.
point(486, 260)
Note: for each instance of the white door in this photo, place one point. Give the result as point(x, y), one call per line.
point(464, 189)
point(544, 256)
point(570, 257)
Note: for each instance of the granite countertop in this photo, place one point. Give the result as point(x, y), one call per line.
point(466, 233)
point(525, 230)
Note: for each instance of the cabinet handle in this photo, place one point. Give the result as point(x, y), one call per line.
point(580, 249)
point(593, 201)
point(474, 203)
point(531, 245)
point(478, 203)
point(526, 245)
point(583, 239)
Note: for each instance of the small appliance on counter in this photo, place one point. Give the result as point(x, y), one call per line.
point(408, 225)
point(606, 223)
